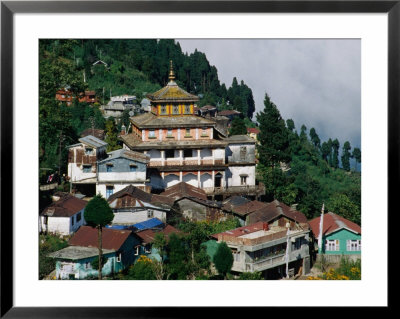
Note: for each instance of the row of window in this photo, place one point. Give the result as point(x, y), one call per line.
point(334, 245)
point(175, 109)
point(152, 133)
point(109, 168)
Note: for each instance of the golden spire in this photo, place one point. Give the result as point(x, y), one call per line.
point(171, 71)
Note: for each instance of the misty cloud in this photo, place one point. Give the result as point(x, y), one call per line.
point(315, 82)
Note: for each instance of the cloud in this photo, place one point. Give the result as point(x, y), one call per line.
point(315, 82)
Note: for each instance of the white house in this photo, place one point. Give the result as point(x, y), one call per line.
point(64, 216)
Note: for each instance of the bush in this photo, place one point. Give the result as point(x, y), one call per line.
point(47, 245)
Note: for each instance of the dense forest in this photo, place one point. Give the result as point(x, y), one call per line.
point(295, 165)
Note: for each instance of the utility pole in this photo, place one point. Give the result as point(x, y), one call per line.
point(59, 155)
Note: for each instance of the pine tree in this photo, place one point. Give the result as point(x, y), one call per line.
point(335, 156)
point(357, 156)
point(346, 156)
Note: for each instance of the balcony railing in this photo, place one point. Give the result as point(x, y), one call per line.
point(246, 189)
point(176, 161)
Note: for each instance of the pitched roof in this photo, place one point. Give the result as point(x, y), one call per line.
point(136, 194)
point(87, 236)
point(128, 154)
point(234, 201)
point(150, 223)
point(66, 206)
point(94, 132)
point(332, 223)
point(239, 139)
point(148, 235)
point(183, 189)
point(248, 207)
point(77, 252)
point(240, 231)
point(92, 141)
point(149, 120)
point(229, 112)
point(172, 92)
point(275, 209)
point(254, 130)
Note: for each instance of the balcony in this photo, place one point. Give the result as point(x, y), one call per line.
point(192, 161)
point(266, 263)
point(250, 190)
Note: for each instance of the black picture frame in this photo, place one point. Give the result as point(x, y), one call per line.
point(9, 8)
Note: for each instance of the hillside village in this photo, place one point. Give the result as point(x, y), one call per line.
point(181, 190)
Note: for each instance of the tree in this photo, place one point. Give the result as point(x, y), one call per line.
point(238, 127)
point(98, 214)
point(315, 138)
point(357, 156)
point(142, 269)
point(223, 259)
point(346, 156)
point(335, 156)
point(273, 136)
point(111, 136)
point(177, 257)
point(250, 276)
point(341, 205)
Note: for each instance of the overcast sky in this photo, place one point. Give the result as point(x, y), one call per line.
point(314, 82)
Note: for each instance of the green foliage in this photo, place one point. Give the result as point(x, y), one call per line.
point(238, 127)
point(341, 205)
point(47, 245)
point(177, 258)
point(250, 276)
point(98, 212)
point(142, 270)
point(112, 136)
point(160, 243)
point(273, 136)
point(95, 262)
point(223, 259)
point(357, 155)
point(346, 156)
point(350, 268)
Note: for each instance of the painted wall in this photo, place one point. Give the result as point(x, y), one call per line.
point(136, 216)
point(235, 154)
point(342, 235)
point(62, 225)
point(101, 188)
point(233, 175)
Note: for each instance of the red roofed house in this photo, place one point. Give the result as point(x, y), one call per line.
point(263, 247)
point(339, 235)
point(75, 261)
point(253, 132)
point(64, 216)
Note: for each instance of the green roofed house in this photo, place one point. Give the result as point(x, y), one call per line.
point(339, 235)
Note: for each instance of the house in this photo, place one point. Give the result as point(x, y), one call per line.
point(339, 235)
point(242, 209)
point(118, 104)
point(184, 147)
point(75, 261)
point(120, 169)
point(82, 163)
point(88, 97)
point(63, 216)
point(146, 237)
point(253, 132)
point(230, 114)
point(192, 203)
point(132, 205)
point(278, 214)
point(100, 134)
point(65, 95)
point(268, 248)
point(207, 111)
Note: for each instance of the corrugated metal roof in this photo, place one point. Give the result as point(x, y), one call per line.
point(77, 252)
point(128, 154)
point(147, 235)
point(92, 141)
point(87, 236)
point(183, 189)
point(332, 223)
point(66, 206)
point(275, 209)
point(153, 222)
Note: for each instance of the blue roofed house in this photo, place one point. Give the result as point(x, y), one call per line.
point(75, 261)
point(120, 169)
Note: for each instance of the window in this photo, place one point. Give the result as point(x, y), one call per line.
point(297, 243)
point(109, 167)
point(169, 133)
point(132, 168)
point(169, 154)
point(152, 134)
point(150, 214)
point(109, 191)
point(243, 151)
point(243, 180)
point(175, 109)
point(137, 250)
point(187, 132)
point(88, 151)
point(187, 153)
point(353, 245)
point(78, 217)
point(187, 109)
point(87, 168)
point(332, 245)
point(119, 258)
point(204, 131)
point(163, 109)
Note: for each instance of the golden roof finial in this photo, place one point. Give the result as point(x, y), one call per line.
point(171, 71)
